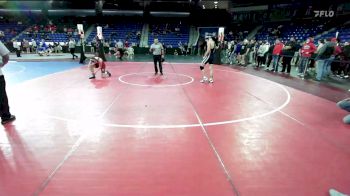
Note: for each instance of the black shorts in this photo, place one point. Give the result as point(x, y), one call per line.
point(208, 59)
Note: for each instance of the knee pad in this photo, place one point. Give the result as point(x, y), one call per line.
point(201, 67)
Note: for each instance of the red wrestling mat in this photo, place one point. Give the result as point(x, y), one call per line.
point(140, 134)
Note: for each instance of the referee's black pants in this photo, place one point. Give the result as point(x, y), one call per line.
point(4, 105)
point(158, 58)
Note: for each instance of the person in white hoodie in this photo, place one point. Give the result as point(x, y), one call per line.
point(263, 48)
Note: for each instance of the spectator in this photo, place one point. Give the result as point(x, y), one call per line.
point(323, 55)
point(277, 51)
point(93, 46)
point(26, 46)
point(34, 45)
point(261, 53)
point(251, 47)
point(17, 48)
point(306, 52)
point(346, 58)
point(237, 51)
point(338, 57)
point(119, 44)
point(243, 52)
point(185, 46)
point(288, 53)
point(329, 61)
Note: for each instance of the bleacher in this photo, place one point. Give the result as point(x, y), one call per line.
point(122, 31)
point(299, 32)
point(167, 34)
point(49, 37)
point(344, 34)
point(43, 33)
point(8, 27)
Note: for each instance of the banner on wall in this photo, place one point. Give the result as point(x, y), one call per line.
point(221, 34)
point(80, 30)
point(99, 32)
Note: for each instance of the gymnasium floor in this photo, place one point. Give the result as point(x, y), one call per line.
point(140, 134)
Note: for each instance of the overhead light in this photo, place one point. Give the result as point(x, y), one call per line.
point(215, 2)
point(203, 6)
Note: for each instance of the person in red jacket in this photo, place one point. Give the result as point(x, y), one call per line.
point(277, 51)
point(306, 52)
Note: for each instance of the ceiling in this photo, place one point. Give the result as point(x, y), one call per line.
point(180, 5)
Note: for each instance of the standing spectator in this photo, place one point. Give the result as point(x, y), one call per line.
point(305, 53)
point(342, 64)
point(323, 55)
point(93, 46)
point(199, 46)
point(261, 53)
point(257, 46)
point(328, 62)
point(320, 43)
point(338, 57)
point(82, 52)
point(6, 116)
point(268, 55)
point(71, 45)
point(288, 53)
point(277, 51)
point(243, 53)
point(185, 48)
point(34, 46)
point(119, 44)
point(126, 44)
point(193, 49)
point(181, 47)
point(26, 46)
point(251, 47)
point(17, 48)
point(346, 58)
point(237, 51)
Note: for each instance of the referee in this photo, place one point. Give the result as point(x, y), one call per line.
point(158, 54)
point(4, 106)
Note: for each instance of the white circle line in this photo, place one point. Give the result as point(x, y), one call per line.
point(156, 86)
point(194, 125)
